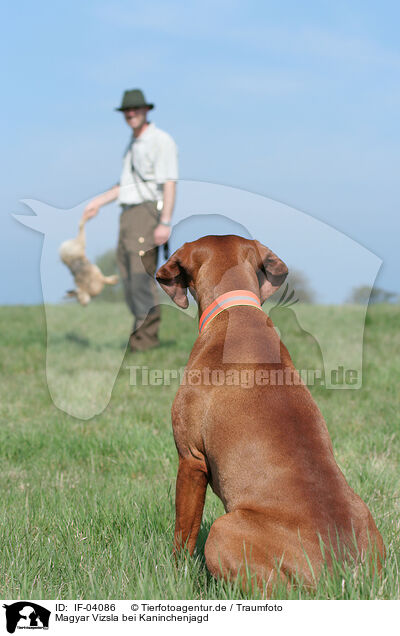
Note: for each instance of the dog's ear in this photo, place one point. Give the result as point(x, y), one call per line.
point(172, 277)
point(271, 271)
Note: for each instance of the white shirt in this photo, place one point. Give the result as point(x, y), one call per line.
point(150, 160)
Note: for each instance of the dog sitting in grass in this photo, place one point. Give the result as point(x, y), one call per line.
point(89, 280)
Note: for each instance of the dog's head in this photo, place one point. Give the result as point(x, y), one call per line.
point(213, 265)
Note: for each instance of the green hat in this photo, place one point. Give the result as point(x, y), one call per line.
point(134, 99)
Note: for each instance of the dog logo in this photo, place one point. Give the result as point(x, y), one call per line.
point(194, 377)
point(26, 615)
point(84, 353)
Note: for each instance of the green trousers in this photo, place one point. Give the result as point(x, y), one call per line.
point(137, 261)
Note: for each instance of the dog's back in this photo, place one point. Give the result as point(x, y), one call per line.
point(269, 453)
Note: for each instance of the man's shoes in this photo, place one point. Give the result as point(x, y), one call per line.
point(136, 346)
point(136, 350)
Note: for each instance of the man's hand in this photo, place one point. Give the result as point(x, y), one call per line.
point(161, 234)
point(162, 231)
point(95, 204)
point(91, 210)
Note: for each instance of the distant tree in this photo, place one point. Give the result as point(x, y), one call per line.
point(298, 288)
point(363, 293)
point(108, 265)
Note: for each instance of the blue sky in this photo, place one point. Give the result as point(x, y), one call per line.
point(297, 102)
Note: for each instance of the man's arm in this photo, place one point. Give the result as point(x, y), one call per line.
point(95, 204)
point(162, 231)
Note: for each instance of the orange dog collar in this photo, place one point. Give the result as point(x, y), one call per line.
point(230, 299)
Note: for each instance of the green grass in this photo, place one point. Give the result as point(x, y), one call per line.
point(87, 506)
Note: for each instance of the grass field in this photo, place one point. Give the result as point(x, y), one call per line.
point(87, 506)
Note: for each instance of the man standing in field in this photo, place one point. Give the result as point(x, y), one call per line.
point(146, 192)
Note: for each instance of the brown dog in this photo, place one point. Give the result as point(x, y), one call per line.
point(89, 280)
point(265, 450)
